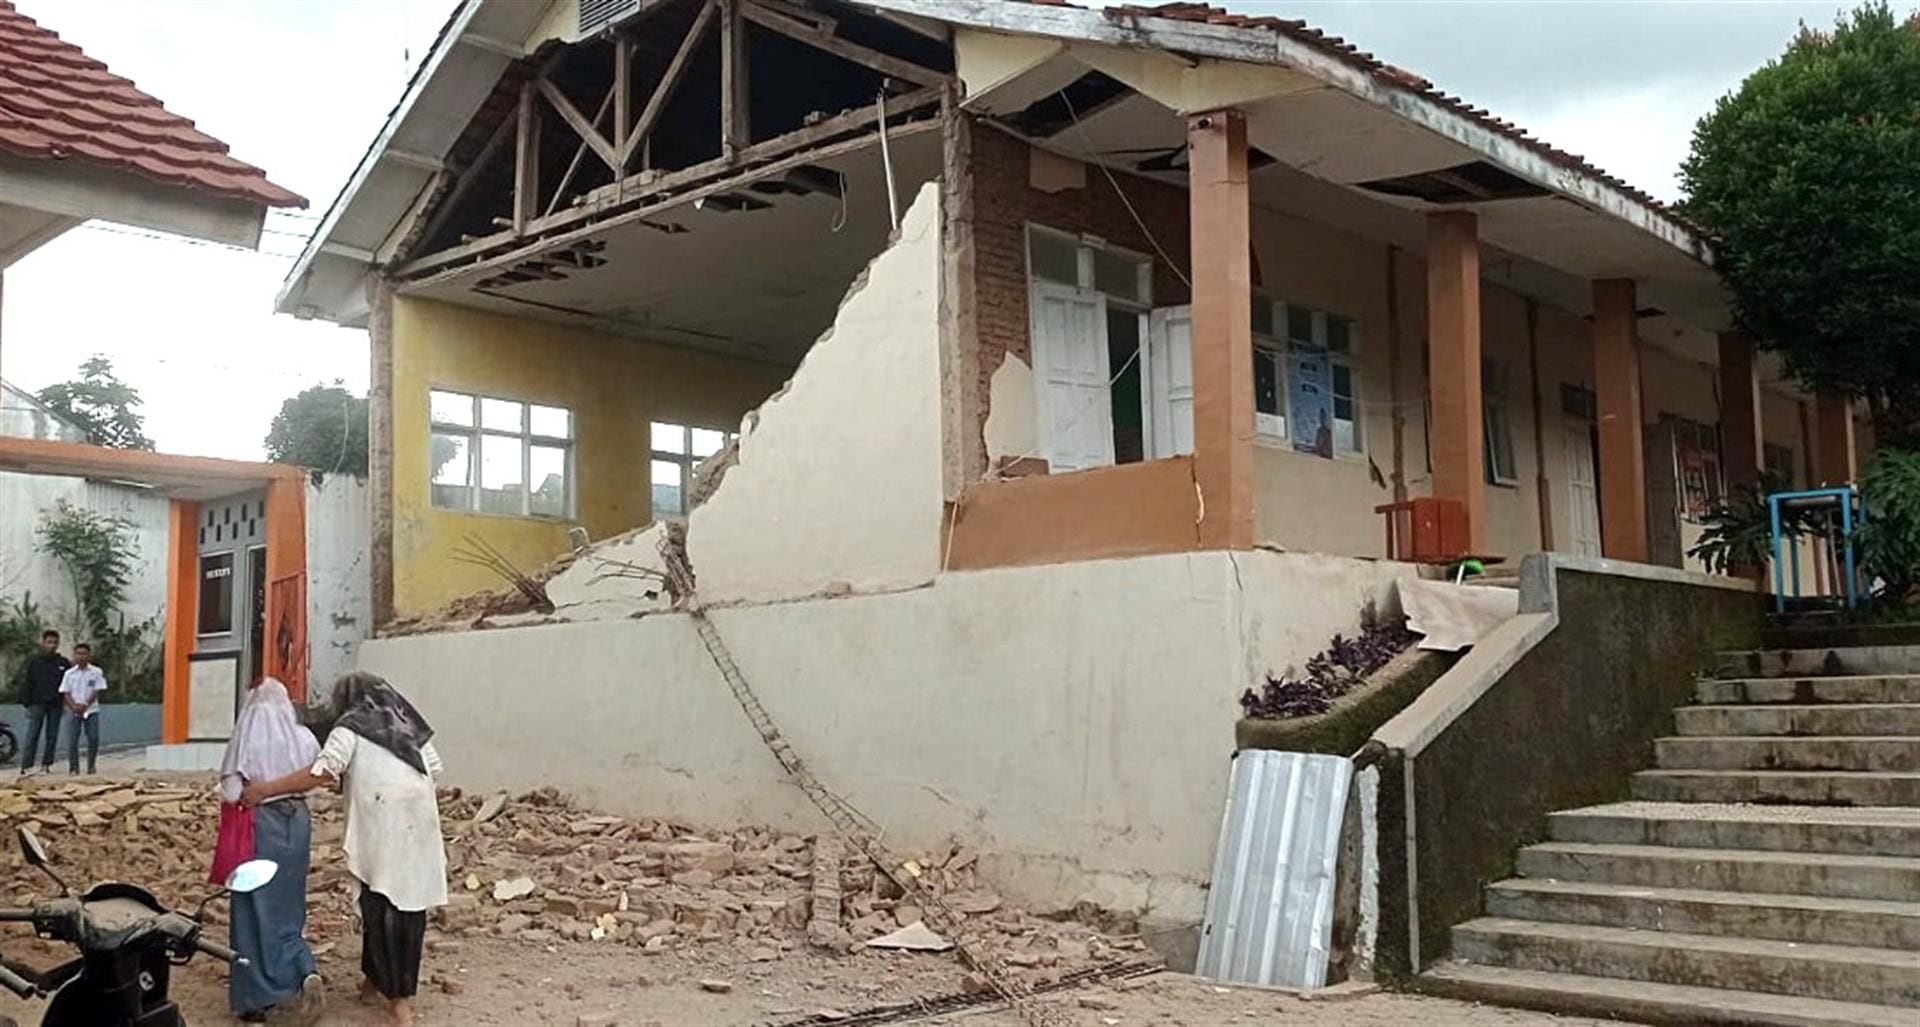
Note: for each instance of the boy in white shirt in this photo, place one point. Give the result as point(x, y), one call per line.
point(80, 690)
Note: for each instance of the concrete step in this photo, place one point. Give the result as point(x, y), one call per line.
point(1800, 918)
point(1804, 787)
point(1829, 632)
point(1808, 691)
point(1820, 662)
point(1646, 1002)
point(1836, 972)
point(1824, 752)
point(1832, 719)
point(1882, 878)
point(1851, 831)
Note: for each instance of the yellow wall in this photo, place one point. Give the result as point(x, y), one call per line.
point(615, 387)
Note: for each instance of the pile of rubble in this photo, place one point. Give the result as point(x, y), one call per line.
point(540, 870)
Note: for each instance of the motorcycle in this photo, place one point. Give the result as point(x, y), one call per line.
point(128, 945)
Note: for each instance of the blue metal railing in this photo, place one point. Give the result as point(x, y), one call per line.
point(1852, 510)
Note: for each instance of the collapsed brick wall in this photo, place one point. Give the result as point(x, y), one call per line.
point(1005, 202)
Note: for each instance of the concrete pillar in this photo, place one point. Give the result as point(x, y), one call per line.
point(1740, 430)
point(380, 445)
point(181, 616)
point(1834, 462)
point(1222, 328)
point(1623, 458)
point(1453, 345)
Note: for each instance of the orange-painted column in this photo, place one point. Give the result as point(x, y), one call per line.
point(1740, 430)
point(1222, 328)
point(286, 629)
point(1623, 457)
point(182, 613)
point(1453, 347)
point(1833, 420)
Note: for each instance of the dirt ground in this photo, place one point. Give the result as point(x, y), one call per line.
point(568, 918)
point(498, 983)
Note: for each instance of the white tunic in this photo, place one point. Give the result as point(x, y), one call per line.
point(393, 838)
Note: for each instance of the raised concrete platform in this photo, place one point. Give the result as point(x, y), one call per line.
point(186, 756)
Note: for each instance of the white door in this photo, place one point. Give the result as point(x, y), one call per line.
point(1170, 380)
point(1583, 490)
point(1074, 404)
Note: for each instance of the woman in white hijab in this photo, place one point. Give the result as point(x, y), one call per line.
point(269, 925)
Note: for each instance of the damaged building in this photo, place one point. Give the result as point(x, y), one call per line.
point(1022, 381)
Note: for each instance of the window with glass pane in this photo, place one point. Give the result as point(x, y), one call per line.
point(502, 474)
point(1346, 410)
point(451, 408)
point(1496, 426)
point(1300, 326)
point(1120, 275)
point(1339, 335)
point(489, 454)
point(1053, 257)
point(1269, 393)
point(452, 459)
point(677, 450)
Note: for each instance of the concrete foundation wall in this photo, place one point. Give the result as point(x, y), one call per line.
point(1074, 721)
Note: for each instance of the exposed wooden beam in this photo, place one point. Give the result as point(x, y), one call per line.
point(417, 161)
point(734, 131)
point(526, 161)
point(622, 96)
point(497, 47)
point(669, 81)
point(859, 117)
point(573, 166)
point(446, 207)
point(407, 231)
point(685, 186)
point(885, 64)
point(578, 122)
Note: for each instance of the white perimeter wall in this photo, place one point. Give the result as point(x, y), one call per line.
point(1074, 721)
point(24, 569)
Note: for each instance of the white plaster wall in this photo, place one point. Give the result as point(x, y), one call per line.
point(1074, 721)
point(339, 581)
point(838, 480)
point(24, 569)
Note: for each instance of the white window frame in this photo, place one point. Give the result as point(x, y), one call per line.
point(1275, 345)
point(685, 459)
point(1086, 247)
point(476, 433)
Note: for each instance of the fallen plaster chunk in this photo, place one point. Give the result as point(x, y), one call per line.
point(915, 937)
point(515, 888)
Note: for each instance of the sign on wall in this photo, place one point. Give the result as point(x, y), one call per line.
point(1309, 384)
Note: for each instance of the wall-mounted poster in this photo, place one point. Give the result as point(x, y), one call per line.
point(1310, 401)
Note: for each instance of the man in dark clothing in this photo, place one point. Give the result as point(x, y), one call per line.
point(40, 694)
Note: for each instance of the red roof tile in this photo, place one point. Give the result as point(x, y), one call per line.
point(58, 103)
point(1339, 48)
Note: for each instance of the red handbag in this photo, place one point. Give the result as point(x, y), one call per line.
point(235, 843)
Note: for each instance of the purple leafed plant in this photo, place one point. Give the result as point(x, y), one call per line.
point(1331, 673)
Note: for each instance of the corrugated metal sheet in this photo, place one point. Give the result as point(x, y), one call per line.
point(1270, 909)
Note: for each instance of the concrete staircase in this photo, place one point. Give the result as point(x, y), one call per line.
point(1766, 872)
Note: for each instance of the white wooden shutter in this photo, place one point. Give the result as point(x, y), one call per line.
point(1075, 406)
point(1170, 380)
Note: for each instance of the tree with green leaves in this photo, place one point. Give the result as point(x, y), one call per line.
point(1809, 174)
point(323, 428)
point(101, 405)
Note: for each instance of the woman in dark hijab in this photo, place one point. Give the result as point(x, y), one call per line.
point(381, 752)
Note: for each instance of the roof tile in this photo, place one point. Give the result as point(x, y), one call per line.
point(56, 103)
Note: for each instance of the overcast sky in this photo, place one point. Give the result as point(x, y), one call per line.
point(299, 87)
